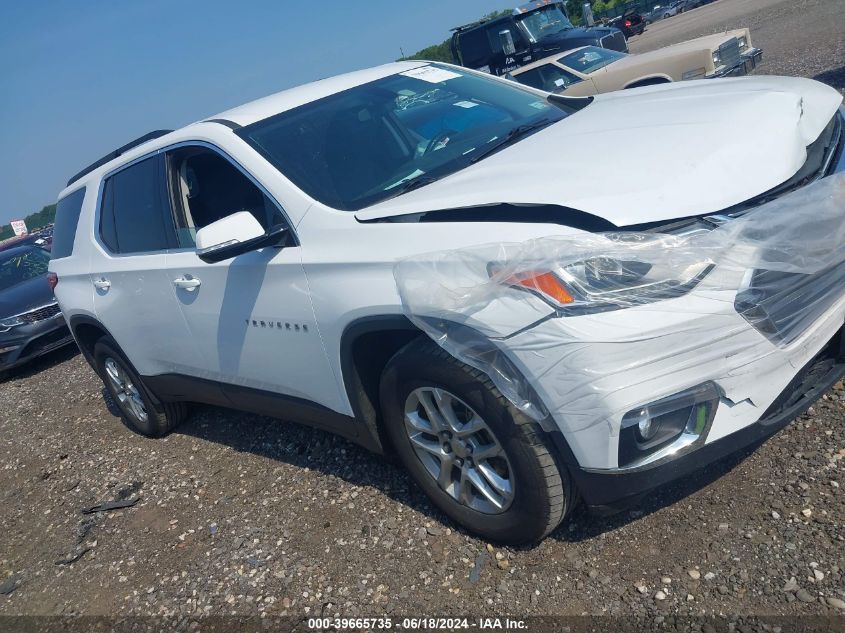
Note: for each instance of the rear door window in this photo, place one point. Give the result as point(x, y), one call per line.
point(68, 210)
point(135, 214)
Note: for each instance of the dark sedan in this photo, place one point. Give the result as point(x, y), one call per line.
point(30, 321)
point(631, 23)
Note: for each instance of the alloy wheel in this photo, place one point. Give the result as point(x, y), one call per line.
point(127, 393)
point(459, 450)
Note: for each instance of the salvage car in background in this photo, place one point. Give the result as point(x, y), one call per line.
point(31, 323)
point(631, 23)
point(661, 12)
point(591, 70)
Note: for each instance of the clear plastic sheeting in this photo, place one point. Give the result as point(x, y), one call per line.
point(581, 326)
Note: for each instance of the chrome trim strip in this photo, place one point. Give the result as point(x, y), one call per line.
point(31, 310)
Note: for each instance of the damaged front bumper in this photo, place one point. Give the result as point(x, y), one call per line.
point(609, 491)
point(750, 341)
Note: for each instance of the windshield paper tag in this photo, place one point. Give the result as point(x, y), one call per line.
point(431, 74)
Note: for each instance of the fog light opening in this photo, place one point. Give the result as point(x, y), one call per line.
point(667, 427)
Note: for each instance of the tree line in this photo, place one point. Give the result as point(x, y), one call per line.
point(36, 220)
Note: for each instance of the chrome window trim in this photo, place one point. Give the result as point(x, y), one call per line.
point(163, 150)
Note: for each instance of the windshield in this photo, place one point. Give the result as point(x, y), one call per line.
point(358, 147)
point(589, 59)
point(547, 21)
point(547, 77)
point(18, 266)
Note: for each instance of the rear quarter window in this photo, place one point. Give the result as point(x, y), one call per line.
point(135, 213)
point(68, 210)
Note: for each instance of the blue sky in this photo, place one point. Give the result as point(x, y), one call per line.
point(78, 79)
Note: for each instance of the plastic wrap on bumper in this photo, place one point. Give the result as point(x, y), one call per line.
point(583, 329)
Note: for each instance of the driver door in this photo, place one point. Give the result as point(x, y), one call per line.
point(251, 315)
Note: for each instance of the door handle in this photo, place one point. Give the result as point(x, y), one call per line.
point(102, 283)
point(187, 283)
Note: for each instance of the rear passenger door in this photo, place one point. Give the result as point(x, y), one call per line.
point(133, 292)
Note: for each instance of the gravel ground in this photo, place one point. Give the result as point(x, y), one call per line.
point(240, 514)
point(801, 38)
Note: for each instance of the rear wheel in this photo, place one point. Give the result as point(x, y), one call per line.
point(480, 460)
point(139, 409)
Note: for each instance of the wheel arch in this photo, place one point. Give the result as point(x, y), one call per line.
point(362, 371)
point(87, 331)
point(365, 347)
point(650, 80)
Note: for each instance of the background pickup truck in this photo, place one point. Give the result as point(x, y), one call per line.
point(533, 31)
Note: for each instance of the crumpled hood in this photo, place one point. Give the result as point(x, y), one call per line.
point(647, 155)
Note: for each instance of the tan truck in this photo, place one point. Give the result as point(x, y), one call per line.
point(590, 70)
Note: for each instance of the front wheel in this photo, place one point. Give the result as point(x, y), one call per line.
point(480, 460)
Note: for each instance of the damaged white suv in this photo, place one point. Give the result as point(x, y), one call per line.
point(472, 275)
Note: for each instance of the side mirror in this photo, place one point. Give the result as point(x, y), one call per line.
point(506, 41)
point(235, 235)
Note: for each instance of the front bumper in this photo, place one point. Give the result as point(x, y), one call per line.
point(748, 62)
point(608, 492)
point(27, 342)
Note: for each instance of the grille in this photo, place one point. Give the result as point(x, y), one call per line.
point(33, 316)
point(616, 42)
point(729, 53)
point(782, 305)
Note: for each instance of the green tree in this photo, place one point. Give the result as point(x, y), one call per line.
point(36, 220)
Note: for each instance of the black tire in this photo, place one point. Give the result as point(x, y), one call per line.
point(161, 417)
point(543, 493)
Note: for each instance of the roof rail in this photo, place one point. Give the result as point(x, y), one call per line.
point(120, 150)
point(499, 18)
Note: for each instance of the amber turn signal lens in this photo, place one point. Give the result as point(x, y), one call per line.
point(52, 280)
point(543, 282)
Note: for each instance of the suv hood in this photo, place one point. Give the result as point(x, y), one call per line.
point(648, 154)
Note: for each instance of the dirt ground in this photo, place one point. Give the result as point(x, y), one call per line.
point(236, 514)
point(800, 38)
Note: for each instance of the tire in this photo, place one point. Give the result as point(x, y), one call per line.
point(541, 492)
point(154, 418)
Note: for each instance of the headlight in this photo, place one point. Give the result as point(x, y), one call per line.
point(601, 284)
point(694, 74)
point(717, 58)
point(10, 322)
point(743, 42)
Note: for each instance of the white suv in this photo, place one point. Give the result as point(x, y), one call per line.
point(247, 261)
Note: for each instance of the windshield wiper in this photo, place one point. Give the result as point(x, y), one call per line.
point(511, 137)
point(410, 185)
